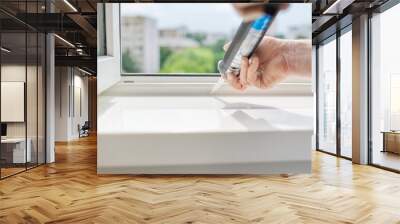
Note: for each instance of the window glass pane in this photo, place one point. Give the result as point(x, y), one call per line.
point(41, 98)
point(346, 93)
point(327, 97)
point(22, 88)
point(13, 87)
point(174, 38)
point(101, 29)
point(32, 89)
point(183, 38)
point(31, 98)
point(385, 85)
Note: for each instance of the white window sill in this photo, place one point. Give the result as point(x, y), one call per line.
point(199, 85)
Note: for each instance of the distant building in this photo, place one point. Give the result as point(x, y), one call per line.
point(212, 38)
point(140, 36)
point(175, 39)
point(300, 32)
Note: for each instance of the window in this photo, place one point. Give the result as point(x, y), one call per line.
point(394, 101)
point(175, 38)
point(327, 96)
point(334, 138)
point(22, 79)
point(346, 94)
point(101, 29)
point(385, 89)
point(188, 38)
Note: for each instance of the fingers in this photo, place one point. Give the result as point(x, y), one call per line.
point(252, 74)
point(234, 81)
point(248, 74)
point(243, 71)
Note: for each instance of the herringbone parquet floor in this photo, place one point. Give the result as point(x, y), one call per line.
point(69, 191)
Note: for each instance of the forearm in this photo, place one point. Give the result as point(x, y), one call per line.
point(298, 57)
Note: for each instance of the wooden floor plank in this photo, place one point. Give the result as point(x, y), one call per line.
point(70, 191)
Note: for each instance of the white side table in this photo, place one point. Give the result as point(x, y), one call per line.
point(19, 153)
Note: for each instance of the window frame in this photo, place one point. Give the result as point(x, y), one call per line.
point(343, 31)
point(379, 10)
point(102, 43)
point(205, 81)
point(31, 120)
point(333, 37)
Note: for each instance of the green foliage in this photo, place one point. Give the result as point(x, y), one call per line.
point(218, 50)
point(165, 52)
point(218, 46)
point(191, 60)
point(129, 65)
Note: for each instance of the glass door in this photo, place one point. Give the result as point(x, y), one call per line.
point(327, 96)
point(32, 99)
point(385, 90)
point(13, 105)
point(346, 93)
point(22, 77)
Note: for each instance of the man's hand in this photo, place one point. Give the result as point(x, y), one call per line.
point(273, 61)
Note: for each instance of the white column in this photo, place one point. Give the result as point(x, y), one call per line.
point(314, 90)
point(63, 103)
point(50, 99)
point(360, 90)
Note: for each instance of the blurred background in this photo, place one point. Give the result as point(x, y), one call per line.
point(188, 38)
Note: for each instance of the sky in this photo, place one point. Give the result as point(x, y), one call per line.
point(211, 17)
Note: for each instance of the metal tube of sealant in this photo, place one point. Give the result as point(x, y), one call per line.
point(244, 43)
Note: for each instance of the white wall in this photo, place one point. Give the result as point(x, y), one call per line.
point(14, 73)
point(33, 125)
point(69, 82)
point(17, 73)
point(61, 103)
point(12, 100)
point(79, 117)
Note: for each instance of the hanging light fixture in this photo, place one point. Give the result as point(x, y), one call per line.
point(64, 40)
point(70, 5)
point(5, 50)
point(84, 71)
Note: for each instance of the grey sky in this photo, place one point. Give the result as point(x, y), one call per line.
point(211, 17)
